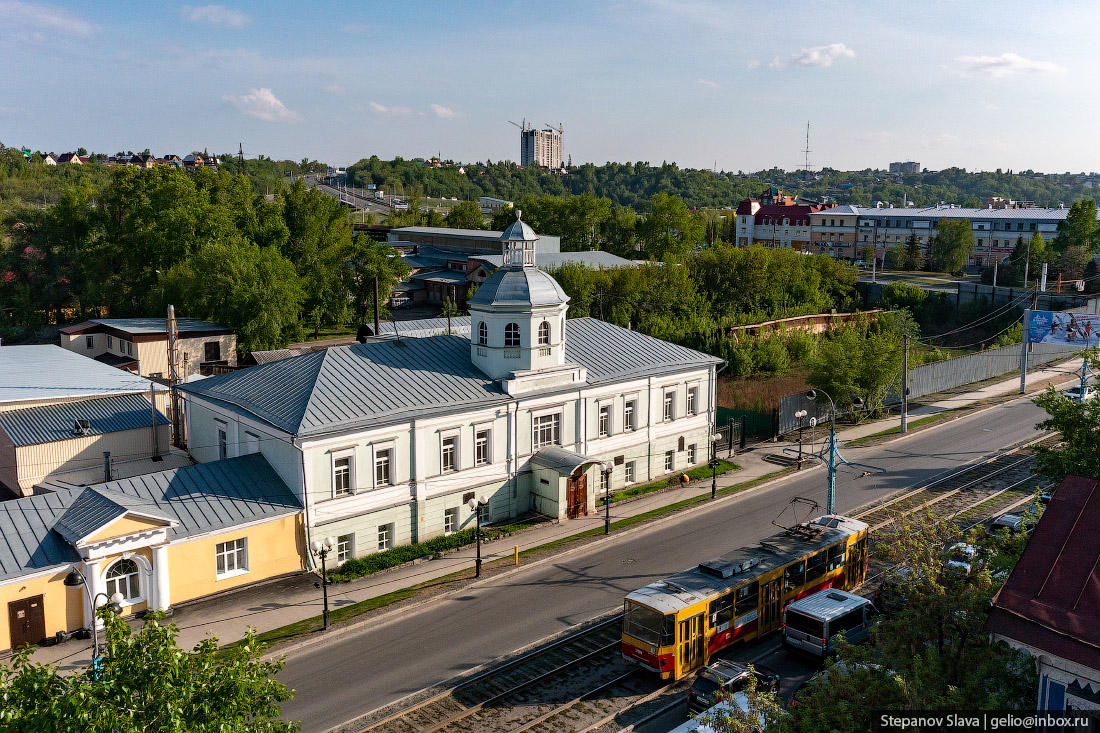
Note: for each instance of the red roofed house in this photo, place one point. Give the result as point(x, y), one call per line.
point(1050, 605)
point(776, 220)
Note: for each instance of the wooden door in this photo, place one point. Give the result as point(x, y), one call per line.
point(27, 619)
point(576, 496)
point(771, 605)
point(692, 644)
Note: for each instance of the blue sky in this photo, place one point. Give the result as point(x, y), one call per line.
point(977, 85)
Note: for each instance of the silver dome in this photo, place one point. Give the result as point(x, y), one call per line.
point(528, 286)
point(518, 231)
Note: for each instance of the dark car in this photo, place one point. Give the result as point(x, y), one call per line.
point(728, 677)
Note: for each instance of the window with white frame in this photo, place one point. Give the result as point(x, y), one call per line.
point(692, 400)
point(448, 453)
point(122, 577)
point(343, 473)
point(223, 440)
point(251, 443)
point(605, 482)
point(605, 420)
point(485, 513)
point(669, 404)
point(511, 335)
point(670, 460)
point(482, 438)
point(232, 557)
point(691, 454)
point(382, 475)
point(345, 547)
point(129, 348)
point(544, 333)
point(628, 472)
point(547, 430)
point(450, 521)
point(630, 412)
point(385, 537)
point(482, 334)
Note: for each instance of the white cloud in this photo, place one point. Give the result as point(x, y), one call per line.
point(395, 110)
point(334, 89)
point(441, 111)
point(262, 103)
point(990, 107)
point(1007, 64)
point(215, 15)
point(752, 64)
point(708, 83)
point(38, 22)
point(823, 55)
point(376, 107)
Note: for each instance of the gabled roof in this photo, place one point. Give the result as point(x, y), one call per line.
point(38, 373)
point(207, 497)
point(54, 422)
point(350, 386)
point(1052, 598)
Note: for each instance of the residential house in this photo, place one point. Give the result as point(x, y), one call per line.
point(386, 442)
point(158, 539)
point(60, 413)
point(48, 159)
point(72, 158)
point(1050, 605)
point(140, 345)
point(776, 220)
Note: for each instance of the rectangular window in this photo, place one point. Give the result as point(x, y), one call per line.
point(547, 430)
point(794, 576)
point(836, 557)
point(481, 447)
point(251, 443)
point(628, 415)
point(668, 405)
point(385, 537)
point(212, 351)
point(110, 341)
point(232, 557)
point(815, 566)
point(129, 348)
point(382, 467)
point(693, 400)
point(450, 521)
point(345, 547)
point(605, 481)
point(341, 475)
point(89, 341)
point(449, 454)
point(691, 454)
point(747, 597)
point(485, 513)
point(670, 460)
point(629, 472)
point(223, 440)
point(605, 421)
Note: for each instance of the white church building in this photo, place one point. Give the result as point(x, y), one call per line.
point(386, 442)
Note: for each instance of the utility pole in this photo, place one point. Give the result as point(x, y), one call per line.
point(904, 382)
point(377, 324)
point(1023, 353)
point(995, 265)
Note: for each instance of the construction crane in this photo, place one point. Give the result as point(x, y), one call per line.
point(524, 127)
point(560, 130)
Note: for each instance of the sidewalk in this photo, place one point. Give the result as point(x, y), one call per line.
point(275, 604)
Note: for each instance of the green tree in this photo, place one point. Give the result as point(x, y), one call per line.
point(900, 294)
point(1079, 228)
point(914, 257)
point(1031, 253)
point(1079, 425)
point(762, 710)
point(466, 215)
point(858, 360)
point(1071, 262)
point(952, 244)
point(669, 229)
point(363, 261)
point(147, 683)
point(242, 286)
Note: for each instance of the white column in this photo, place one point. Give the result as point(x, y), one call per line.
point(163, 598)
point(93, 577)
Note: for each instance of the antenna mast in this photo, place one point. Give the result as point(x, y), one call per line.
point(806, 152)
point(240, 158)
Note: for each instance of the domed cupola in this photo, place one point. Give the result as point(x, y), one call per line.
point(518, 314)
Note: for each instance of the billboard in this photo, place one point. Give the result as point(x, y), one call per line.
point(1073, 329)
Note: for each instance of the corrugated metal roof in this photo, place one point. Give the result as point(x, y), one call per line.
point(203, 498)
point(54, 422)
point(94, 508)
point(352, 385)
point(525, 286)
point(443, 276)
point(33, 373)
point(947, 212)
point(145, 325)
point(551, 260)
point(562, 460)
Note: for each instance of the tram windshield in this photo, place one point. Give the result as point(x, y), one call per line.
point(647, 625)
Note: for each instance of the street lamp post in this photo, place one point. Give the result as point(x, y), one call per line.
point(830, 502)
point(714, 464)
point(113, 603)
point(322, 548)
point(606, 469)
point(475, 506)
point(801, 414)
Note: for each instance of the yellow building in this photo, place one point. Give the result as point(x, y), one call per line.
point(140, 345)
point(156, 539)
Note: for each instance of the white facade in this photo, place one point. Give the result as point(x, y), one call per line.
point(541, 148)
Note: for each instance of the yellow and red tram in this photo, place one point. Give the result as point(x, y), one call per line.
point(675, 625)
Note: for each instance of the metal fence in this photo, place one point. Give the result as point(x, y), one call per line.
point(794, 403)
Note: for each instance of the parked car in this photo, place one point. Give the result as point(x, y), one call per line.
point(960, 556)
point(726, 676)
point(1075, 393)
point(812, 624)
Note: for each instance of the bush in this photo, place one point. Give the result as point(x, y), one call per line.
point(771, 355)
point(742, 359)
point(801, 346)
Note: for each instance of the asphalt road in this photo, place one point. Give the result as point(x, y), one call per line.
point(359, 671)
